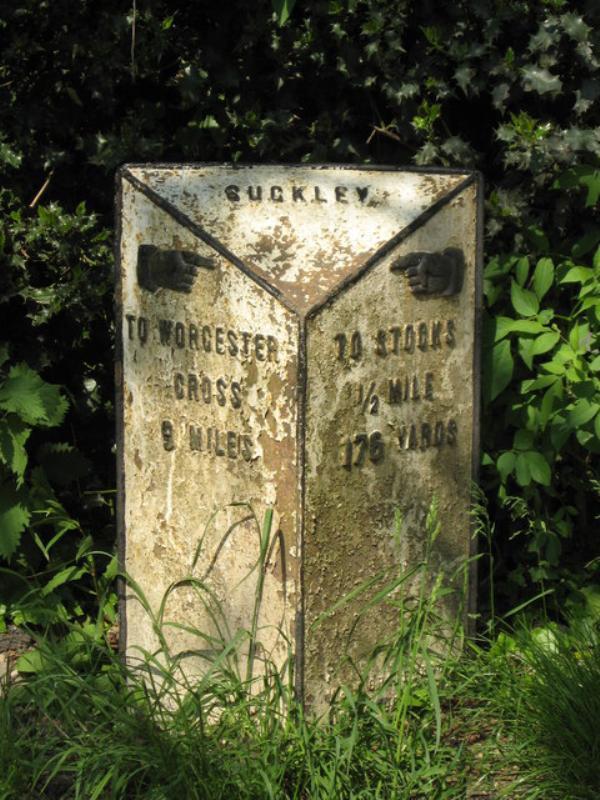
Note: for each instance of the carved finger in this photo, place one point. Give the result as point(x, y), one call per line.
point(193, 259)
point(410, 260)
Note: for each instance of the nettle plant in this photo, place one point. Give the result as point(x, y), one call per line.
point(42, 548)
point(542, 384)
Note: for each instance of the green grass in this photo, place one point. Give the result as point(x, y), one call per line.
point(516, 718)
point(552, 678)
point(85, 726)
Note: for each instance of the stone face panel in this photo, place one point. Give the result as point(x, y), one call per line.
point(209, 420)
point(301, 339)
point(389, 426)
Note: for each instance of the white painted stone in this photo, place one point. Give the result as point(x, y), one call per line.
point(296, 274)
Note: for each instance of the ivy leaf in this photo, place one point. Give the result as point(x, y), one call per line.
point(498, 370)
point(524, 302)
point(540, 80)
point(36, 402)
point(543, 277)
point(14, 517)
point(13, 435)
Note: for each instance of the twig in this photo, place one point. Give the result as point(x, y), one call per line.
point(385, 132)
point(133, 20)
point(45, 185)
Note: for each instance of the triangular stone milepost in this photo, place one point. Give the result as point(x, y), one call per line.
point(302, 339)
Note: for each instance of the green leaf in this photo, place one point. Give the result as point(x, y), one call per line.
point(539, 469)
point(583, 175)
point(537, 238)
point(577, 275)
point(526, 351)
point(36, 402)
point(31, 662)
point(547, 406)
point(592, 183)
point(67, 575)
point(541, 382)
point(506, 464)
point(522, 471)
point(595, 364)
point(579, 337)
point(522, 270)
point(524, 302)
point(523, 440)
point(498, 370)
point(586, 243)
point(585, 388)
point(554, 367)
point(14, 517)
point(543, 277)
point(506, 325)
point(62, 463)
point(582, 412)
point(544, 343)
point(283, 9)
point(559, 432)
point(585, 438)
point(13, 435)
point(597, 426)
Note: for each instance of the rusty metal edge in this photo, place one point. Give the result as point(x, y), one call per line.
point(386, 248)
point(477, 402)
point(120, 421)
point(206, 237)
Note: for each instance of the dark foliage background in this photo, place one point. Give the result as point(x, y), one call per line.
point(506, 86)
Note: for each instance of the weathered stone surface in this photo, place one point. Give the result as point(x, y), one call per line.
point(301, 339)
